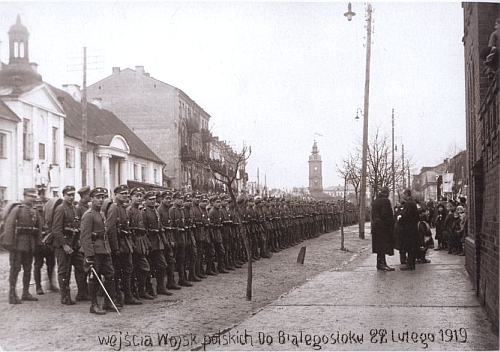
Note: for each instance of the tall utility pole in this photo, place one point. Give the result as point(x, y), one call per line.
point(84, 119)
point(393, 170)
point(403, 166)
point(362, 203)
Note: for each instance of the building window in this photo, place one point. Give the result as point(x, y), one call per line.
point(143, 173)
point(2, 194)
point(136, 172)
point(3, 145)
point(27, 140)
point(70, 158)
point(54, 145)
point(156, 176)
point(41, 151)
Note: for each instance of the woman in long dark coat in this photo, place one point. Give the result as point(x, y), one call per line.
point(382, 229)
point(410, 241)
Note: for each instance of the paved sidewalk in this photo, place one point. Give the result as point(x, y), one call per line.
point(361, 308)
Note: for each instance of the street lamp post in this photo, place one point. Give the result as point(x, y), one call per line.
point(362, 191)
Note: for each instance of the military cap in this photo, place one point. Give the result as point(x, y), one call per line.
point(258, 199)
point(177, 194)
point(460, 209)
point(166, 193)
point(121, 189)
point(69, 190)
point(150, 195)
point(98, 191)
point(204, 198)
point(215, 198)
point(137, 190)
point(223, 196)
point(196, 194)
point(188, 197)
point(240, 199)
point(30, 192)
point(84, 190)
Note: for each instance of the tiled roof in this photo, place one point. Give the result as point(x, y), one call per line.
point(100, 124)
point(7, 113)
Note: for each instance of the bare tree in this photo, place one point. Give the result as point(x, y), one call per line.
point(227, 174)
point(351, 172)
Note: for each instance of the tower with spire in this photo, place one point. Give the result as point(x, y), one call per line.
point(315, 172)
point(20, 71)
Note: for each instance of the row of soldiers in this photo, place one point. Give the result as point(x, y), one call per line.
point(140, 239)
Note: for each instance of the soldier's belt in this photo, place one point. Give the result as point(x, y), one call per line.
point(138, 231)
point(124, 233)
point(153, 231)
point(99, 236)
point(24, 230)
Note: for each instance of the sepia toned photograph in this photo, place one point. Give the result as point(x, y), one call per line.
point(249, 175)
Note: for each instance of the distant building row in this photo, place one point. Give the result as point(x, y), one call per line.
point(140, 131)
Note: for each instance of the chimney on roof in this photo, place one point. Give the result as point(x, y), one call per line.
point(73, 90)
point(34, 66)
point(139, 70)
point(97, 102)
point(116, 70)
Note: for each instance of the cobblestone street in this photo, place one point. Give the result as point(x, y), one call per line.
point(215, 304)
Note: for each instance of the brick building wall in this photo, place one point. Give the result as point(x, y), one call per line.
point(482, 113)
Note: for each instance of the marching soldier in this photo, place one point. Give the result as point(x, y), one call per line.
point(152, 224)
point(22, 234)
point(120, 241)
point(166, 204)
point(208, 247)
point(66, 230)
point(141, 244)
point(176, 216)
point(200, 220)
point(191, 252)
point(215, 217)
point(44, 253)
point(97, 251)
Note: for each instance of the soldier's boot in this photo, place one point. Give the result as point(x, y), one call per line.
point(13, 298)
point(263, 250)
point(143, 276)
point(199, 268)
point(127, 290)
point(255, 250)
point(182, 277)
point(171, 284)
point(38, 282)
point(51, 284)
point(118, 296)
point(160, 279)
point(26, 296)
point(83, 288)
point(110, 286)
point(94, 306)
point(192, 272)
point(383, 264)
point(220, 264)
point(65, 293)
point(402, 257)
point(227, 261)
point(210, 263)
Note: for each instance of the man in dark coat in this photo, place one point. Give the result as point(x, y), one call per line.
point(410, 241)
point(382, 229)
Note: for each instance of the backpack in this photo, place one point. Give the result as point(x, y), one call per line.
point(49, 210)
point(6, 211)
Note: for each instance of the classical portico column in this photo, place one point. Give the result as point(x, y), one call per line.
point(123, 171)
point(105, 169)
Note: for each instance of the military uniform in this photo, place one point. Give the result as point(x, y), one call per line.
point(22, 235)
point(95, 245)
point(191, 249)
point(215, 217)
point(120, 241)
point(152, 224)
point(168, 238)
point(66, 231)
point(176, 216)
point(141, 246)
point(200, 220)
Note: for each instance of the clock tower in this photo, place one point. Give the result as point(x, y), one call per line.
point(315, 171)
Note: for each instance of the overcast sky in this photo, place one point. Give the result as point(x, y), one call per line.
point(273, 74)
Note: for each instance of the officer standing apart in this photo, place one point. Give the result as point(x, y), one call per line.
point(66, 230)
point(121, 243)
point(382, 229)
point(97, 251)
point(22, 234)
